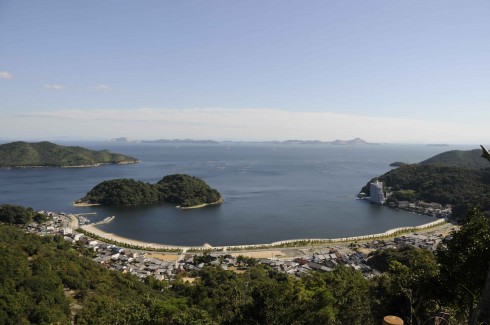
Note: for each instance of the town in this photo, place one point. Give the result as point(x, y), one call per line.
point(165, 266)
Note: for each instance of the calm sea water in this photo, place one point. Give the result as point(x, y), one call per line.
point(271, 192)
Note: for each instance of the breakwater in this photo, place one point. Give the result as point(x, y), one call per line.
point(105, 220)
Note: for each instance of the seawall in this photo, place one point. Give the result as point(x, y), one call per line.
point(121, 241)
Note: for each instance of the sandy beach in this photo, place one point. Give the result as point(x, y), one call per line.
point(220, 201)
point(260, 250)
point(123, 240)
point(81, 204)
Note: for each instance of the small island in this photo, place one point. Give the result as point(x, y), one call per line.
point(47, 154)
point(185, 191)
point(397, 164)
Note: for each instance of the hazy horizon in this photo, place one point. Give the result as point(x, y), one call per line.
point(383, 71)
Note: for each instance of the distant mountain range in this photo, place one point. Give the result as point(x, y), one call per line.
point(179, 141)
point(47, 154)
point(356, 141)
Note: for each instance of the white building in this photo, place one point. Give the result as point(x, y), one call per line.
point(376, 191)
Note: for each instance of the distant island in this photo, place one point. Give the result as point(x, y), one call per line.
point(184, 190)
point(122, 140)
point(356, 141)
point(47, 154)
point(437, 145)
point(179, 141)
point(456, 177)
point(397, 164)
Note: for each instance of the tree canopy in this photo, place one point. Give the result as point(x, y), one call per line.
point(15, 214)
point(181, 189)
point(25, 154)
point(46, 280)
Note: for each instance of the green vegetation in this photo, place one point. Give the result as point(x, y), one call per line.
point(19, 215)
point(47, 154)
point(458, 158)
point(397, 164)
point(460, 178)
point(442, 184)
point(45, 280)
point(185, 190)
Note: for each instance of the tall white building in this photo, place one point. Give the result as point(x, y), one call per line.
point(376, 192)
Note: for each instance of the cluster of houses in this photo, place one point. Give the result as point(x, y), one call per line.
point(429, 242)
point(324, 261)
point(299, 262)
point(58, 223)
point(135, 262)
point(421, 207)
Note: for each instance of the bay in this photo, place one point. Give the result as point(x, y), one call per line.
point(272, 192)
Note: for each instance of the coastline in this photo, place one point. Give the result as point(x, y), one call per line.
point(75, 166)
point(123, 241)
point(92, 229)
point(220, 201)
point(82, 204)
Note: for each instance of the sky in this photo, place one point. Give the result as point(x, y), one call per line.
point(386, 71)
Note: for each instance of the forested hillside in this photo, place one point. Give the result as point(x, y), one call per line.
point(455, 177)
point(458, 158)
point(47, 154)
point(46, 280)
point(181, 189)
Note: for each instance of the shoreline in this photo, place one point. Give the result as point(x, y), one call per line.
point(220, 201)
point(123, 241)
point(83, 204)
point(75, 166)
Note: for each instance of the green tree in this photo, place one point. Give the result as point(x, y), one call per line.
point(464, 263)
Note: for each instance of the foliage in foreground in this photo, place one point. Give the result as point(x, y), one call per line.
point(15, 214)
point(44, 280)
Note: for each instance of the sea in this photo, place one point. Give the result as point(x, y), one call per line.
point(272, 192)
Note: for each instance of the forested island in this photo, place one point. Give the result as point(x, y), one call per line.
point(459, 178)
point(47, 154)
point(184, 190)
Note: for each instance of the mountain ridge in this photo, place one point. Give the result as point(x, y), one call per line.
point(48, 154)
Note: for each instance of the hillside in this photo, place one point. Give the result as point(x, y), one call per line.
point(459, 158)
point(184, 190)
point(47, 154)
point(48, 280)
point(435, 183)
point(454, 177)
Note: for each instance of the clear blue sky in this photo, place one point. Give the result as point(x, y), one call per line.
point(425, 61)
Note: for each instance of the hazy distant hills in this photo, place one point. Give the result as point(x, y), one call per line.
point(179, 141)
point(356, 141)
point(47, 154)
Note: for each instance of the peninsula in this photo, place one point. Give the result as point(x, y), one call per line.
point(47, 154)
point(457, 178)
point(184, 190)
